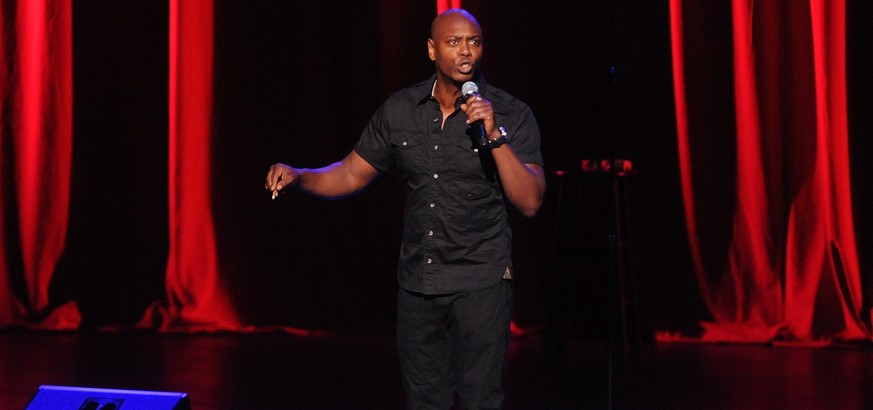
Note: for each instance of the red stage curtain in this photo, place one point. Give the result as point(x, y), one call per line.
point(197, 299)
point(443, 5)
point(760, 93)
point(36, 142)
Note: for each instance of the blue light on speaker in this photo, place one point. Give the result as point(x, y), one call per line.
point(51, 397)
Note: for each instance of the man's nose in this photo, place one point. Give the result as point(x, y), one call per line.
point(465, 49)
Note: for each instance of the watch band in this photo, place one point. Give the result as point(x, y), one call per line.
point(502, 139)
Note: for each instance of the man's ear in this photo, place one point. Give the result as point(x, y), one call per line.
point(431, 50)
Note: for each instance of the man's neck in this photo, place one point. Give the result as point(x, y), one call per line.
point(445, 92)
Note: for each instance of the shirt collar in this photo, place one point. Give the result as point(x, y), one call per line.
point(425, 89)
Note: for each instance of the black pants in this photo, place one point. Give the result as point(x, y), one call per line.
point(454, 343)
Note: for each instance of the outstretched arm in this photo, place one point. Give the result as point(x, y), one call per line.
point(337, 180)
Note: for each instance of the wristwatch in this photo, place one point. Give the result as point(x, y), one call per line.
point(502, 139)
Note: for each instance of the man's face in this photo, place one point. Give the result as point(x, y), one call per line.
point(456, 47)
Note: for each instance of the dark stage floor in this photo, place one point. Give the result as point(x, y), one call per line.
point(274, 370)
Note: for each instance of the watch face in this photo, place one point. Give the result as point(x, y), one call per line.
point(504, 136)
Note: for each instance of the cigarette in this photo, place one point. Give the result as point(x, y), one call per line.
point(275, 194)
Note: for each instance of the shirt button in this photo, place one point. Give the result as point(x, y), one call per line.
point(429, 260)
point(436, 147)
point(475, 149)
point(436, 120)
point(432, 204)
point(429, 233)
point(404, 143)
point(436, 176)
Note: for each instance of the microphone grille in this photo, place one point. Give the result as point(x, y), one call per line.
point(469, 88)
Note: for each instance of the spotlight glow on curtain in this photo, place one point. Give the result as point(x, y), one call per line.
point(196, 298)
point(443, 5)
point(789, 269)
point(36, 141)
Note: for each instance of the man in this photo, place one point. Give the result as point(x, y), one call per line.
point(455, 268)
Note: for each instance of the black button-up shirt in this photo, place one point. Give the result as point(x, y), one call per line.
point(456, 228)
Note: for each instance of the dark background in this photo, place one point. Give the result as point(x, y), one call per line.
point(296, 82)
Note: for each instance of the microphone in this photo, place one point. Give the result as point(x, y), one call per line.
point(469, 89)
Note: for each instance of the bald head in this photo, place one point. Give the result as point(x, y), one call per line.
point(452, 15)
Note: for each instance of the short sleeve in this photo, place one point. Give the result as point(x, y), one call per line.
point(525, 138)
point(373, 145)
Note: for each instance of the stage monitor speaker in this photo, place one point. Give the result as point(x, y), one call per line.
point(85, 398)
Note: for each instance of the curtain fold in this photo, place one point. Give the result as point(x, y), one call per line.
point(197, 299)
point(783, 264)
point(443, 5)
point(36, 145)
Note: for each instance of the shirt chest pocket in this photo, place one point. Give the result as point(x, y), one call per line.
point(469, 160)
point(473, 192)
point(407, 149)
